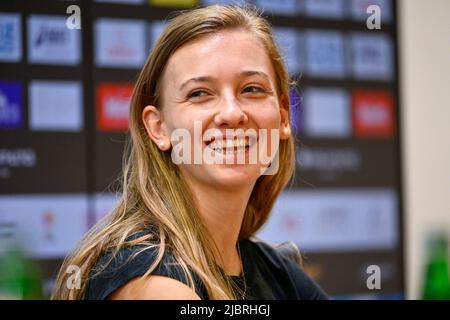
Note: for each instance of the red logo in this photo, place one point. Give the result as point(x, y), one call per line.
point(113, 104)
point(373, 113)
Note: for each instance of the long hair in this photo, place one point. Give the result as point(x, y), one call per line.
point(154, 192)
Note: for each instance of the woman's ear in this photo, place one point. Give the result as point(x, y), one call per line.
point(155, 127)
point(285, 127)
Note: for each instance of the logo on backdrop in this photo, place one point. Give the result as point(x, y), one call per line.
point(51, 42)
point(11, 114)
point(120, 43)
point(373, 113)
point(113, 104)
point(325, 54)
point(10, 37)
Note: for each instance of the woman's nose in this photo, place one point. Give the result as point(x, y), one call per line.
point(230, 113)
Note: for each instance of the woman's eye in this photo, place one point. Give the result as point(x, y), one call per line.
point(197, 94)
point(254, 89)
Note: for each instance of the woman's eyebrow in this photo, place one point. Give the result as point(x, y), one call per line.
point(196, 79)
point(246, 73)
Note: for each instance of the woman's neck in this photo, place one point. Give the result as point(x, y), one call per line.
point(222, 212)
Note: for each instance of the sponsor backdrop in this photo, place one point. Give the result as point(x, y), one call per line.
point(64, 100)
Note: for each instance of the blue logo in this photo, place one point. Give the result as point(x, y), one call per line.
point(7, 34)
point(52, 36)
point(11, 110)
point(10, 37)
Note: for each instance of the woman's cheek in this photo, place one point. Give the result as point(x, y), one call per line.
point(267, 119)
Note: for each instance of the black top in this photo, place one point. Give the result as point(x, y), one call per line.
point(268, 274)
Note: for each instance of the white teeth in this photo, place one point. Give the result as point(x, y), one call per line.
point(230, 151)
point(230, 144)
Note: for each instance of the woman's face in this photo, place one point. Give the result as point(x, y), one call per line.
point(220, 81)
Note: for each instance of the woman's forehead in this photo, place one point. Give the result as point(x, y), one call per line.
point(226, 51)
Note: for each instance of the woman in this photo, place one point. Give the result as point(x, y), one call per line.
point(181, 230)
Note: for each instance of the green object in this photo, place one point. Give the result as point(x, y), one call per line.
point(437, 280)
point(19, 277)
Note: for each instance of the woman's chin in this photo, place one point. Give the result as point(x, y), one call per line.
point(234, 175)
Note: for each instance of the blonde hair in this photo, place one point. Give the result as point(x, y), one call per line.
point(154, 192)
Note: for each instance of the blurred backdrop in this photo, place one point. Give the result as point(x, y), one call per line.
point(369, 114)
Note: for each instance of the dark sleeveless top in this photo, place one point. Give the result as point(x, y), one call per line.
point(268, 274)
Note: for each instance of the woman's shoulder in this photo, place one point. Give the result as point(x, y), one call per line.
point(285, 259)
point(115, 268)
point(277, 253)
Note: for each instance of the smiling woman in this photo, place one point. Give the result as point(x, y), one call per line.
point(182, 230)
